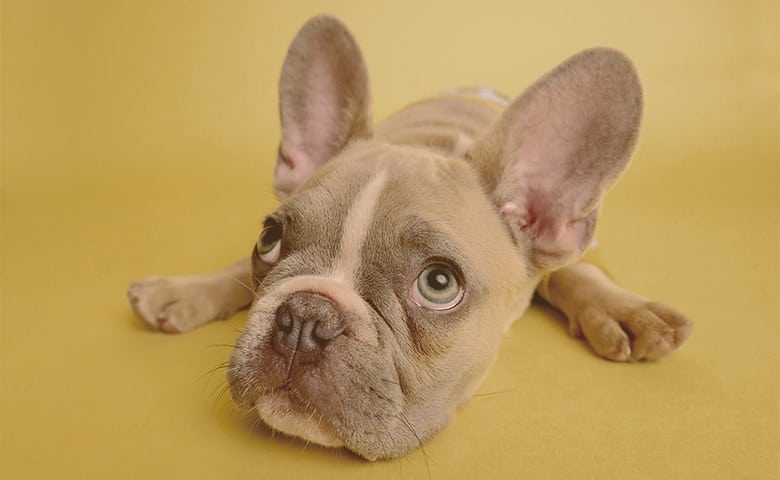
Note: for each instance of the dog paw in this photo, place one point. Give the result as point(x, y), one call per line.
point(172, 304)
point(631, 329)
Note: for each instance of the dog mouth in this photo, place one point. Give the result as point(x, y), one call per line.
point(285, 410)
point(329, 404)
point(336, 403)
point(310, 364)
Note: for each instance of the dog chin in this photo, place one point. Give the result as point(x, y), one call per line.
point(282, 413)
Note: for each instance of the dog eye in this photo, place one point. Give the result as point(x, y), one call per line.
point(269, 245)
point(436, 288)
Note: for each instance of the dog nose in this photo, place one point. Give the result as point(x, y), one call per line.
point(306, 322)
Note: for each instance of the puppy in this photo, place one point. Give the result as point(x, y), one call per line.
point(401, 253)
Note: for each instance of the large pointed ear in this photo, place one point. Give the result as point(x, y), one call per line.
point(558, 148)
point(323, 100)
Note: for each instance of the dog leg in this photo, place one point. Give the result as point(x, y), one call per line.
point(618, 324)
point(179, 304)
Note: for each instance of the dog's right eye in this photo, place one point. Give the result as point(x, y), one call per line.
point(269, 246)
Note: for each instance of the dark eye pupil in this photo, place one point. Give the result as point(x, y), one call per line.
point(271, 234)
point(438, 279)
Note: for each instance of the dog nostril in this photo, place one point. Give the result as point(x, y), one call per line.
point(284, 320)
point(315, 334)
point(324, 333)
point(307, 343)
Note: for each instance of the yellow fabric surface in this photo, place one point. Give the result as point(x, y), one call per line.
point(139, 137)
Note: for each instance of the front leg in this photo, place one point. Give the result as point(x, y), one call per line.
point(179, 304)
point(618, 324)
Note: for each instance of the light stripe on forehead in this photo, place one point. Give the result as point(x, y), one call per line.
point(355, 229)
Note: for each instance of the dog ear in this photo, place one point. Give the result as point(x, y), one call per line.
point(323, 100)
point(556, 150)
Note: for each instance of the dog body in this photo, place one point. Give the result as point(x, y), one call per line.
point(399, 255)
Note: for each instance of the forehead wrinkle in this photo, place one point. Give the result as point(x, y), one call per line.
point(427, 235)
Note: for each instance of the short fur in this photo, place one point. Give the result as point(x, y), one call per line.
point(342, 346)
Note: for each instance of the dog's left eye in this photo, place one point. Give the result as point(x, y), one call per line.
point(437, 288)
point(269, 246)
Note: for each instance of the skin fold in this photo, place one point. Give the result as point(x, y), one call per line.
point(400, 254)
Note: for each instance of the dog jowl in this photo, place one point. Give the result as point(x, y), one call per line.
point(400, 253)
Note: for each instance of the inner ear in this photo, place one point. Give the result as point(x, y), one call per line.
point(558, 148)
point(323, 100)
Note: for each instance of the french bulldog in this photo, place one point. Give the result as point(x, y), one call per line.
point(380, 288)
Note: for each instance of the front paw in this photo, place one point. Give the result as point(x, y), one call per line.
point(171, 304)
point(632, 329)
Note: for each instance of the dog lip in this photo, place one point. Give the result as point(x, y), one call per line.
point(282, 410)
point(283, 394)
point(287, 391)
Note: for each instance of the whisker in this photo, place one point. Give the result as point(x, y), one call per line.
point(225, 388)
point(228, 345)
point(405, 421)
point(234, 329)
point(254, 293)
point(222, 388)
point(257, 423)
point(210, 373)
point(214, 393)
point(490, 394)
point(393, 441)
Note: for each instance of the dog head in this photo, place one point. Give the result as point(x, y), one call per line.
point(389, 273)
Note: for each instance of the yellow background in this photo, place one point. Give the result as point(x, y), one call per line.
point(138, 137)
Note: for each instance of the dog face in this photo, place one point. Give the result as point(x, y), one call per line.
point(382, 309)
point(389, 273)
